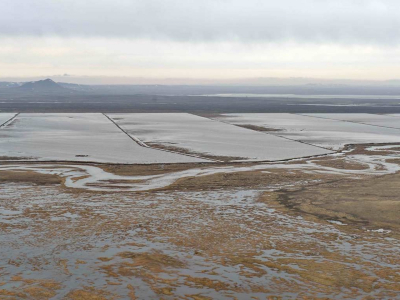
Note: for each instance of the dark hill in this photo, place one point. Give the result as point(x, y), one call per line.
point(47, 85)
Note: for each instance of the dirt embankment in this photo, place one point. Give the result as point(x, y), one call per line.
point(184, 151)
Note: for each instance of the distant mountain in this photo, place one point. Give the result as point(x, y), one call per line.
point(45, 87)
point(42, 86)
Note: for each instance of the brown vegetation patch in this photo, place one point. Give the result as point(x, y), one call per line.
point(29, 177)
point(341, 164)
point(397, 149)
point(7, 158)
point(248, 179)
point(325, 275)
point(258, 128)
point(204, 282)
point(373, 201)
point(35, 289)
point(153, 261)
point(394, 161)
point(155, 169)
point(89, 294)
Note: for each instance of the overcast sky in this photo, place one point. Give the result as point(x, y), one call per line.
point(355, 39)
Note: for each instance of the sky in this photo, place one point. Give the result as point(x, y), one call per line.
point(122, 40)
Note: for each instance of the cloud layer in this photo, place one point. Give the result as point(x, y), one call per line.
point(310, 21)
point(201, 38)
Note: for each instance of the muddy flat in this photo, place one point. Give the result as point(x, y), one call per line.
point(323, 227)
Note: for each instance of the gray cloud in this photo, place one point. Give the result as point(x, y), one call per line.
point(327, 21)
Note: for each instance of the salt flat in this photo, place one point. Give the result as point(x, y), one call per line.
point(4, 117)
point(209, 137)
point(332, 134)
point(76, 137)
point(370, 119)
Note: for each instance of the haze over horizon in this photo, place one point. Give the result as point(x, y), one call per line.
point(249, 82)
point(187, 42)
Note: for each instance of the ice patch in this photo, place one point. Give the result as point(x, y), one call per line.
point(337, 222)
point(209, 137)
point(323, 132)
point(77, 137)
point(381, 230)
